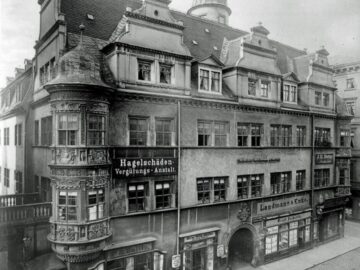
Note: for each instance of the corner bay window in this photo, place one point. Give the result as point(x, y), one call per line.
point(249, 186)
point(322, 177)
point(211, 189)
point(96, 201)
point(209, 81)
point(68, 126)
point(280, 182)
point(96, 130)
point(67, 207)
point(136, 197)
point(144, 71)
point(138, 128)
point(249, 134)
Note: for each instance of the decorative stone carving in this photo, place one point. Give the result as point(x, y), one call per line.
point(97, 156)
point(68, 184)
point(66, 156)
point(97, 230)
point(244, 212)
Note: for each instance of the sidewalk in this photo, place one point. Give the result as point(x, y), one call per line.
point(322, 253)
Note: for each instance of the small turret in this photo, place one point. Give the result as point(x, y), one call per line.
point(214, 10)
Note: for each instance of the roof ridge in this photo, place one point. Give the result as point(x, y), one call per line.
point(288, 46)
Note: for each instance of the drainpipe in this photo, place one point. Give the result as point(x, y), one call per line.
point(178, 181)
point(312, 166)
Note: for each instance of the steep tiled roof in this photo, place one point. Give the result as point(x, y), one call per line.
point(207, 35)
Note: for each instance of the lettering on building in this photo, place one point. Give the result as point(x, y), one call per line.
point(324, 158)
point(283, 204)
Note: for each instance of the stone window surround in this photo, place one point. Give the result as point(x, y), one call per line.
point(210, 70)
point(155, 65)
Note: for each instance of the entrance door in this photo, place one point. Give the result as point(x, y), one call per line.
point(198, 262)
point(241, 248)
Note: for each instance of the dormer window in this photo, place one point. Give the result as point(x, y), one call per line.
point(165, 74)
point(209, 81)
point(290, 93)
point(144, 71)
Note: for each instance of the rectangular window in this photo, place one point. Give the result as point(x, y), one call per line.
point(286, 135)
point(96, 130)
point(6, 177)
point(286, 92)
point(6, 136)
point(280, 135)
point(162, 195)
point(322, 177)
point(350, 83)
point(136, 197)
point(243, 133)
point(275, 134)
point(18, 182)
point(220, 133)
point(343, 176)
point(351, 107)
point(144, 71)
point(317, 98)
point(249, 133)
point(219, 189)
point(250, 186)
point(326, 99)
point(165, 74)
point(255, 133)
point(322, 137)
point(68, 126)
point(46, 130)
point(67, 205)
point(345, 138)
point(293, 94)
point(96, 201)
point(280, 182)
point(252, 87)
point(300, 136)
point(138, 131)
point(164, 130)
point(203, 190)
point(204, 80)
point(300, 180)
point(36, 132)
point(265, 86)
point(204, 133)
point(215, 81)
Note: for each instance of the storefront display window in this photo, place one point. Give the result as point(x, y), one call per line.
point(272, 240)
point(284, 237)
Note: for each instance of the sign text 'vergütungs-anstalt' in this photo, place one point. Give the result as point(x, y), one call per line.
point(137, 167)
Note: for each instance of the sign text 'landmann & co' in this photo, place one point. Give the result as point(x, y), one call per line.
point(137, 167)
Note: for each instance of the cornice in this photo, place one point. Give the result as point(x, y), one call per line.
point(153, 20)
point(42, 101)
point(46, 36)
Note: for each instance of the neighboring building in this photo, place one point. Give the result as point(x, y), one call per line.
point(347, 78)
point(15, 99)
point(163, 133)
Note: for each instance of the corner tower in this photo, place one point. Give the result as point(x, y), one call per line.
point(214, 10)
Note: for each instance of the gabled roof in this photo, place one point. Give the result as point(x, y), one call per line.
point(211, 60)
point(291, 76)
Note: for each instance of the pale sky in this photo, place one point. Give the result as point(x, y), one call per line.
point(299, 23)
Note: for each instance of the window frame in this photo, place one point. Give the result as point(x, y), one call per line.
point(208, 129)
point(283, 182)
point(7, 136)
point(292, 92)
point(322, 137)
point(211, 189)
point(7, 177)
point(162, 133)
point(170, 73)
point(46, 131)
point(265, 91)
point(211, 72)
point(96, 136)
point(150, 63)
point(320, 179)
point(68, 131)
point(137, 132)
point(251, 187)
point(139, 200)
point(350, 83)
point(66, 206)
point(163, 198)
point(99, 204)
point(300, 180)
point(300, 135)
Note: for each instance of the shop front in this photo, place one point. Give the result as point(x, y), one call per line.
point(286, 235)
point(331, 218)
point(134, 255)
point(198, 250)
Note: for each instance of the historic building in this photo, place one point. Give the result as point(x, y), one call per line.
point(172, 140)
point(347, 79)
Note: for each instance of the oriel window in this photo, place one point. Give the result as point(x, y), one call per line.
point(96, 130)
point(138, 128)
point(165, 74)
point(68, 126)
point(96, 201)
point(144, 71)
point(67, 205)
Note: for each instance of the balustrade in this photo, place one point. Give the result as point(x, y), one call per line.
point(19, 199)
point(25, 213)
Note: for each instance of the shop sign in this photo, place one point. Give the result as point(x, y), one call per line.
point(342, 191)
point(324, 158)
point(287, 219)
point(269, 207)
point(175, 261)
point(137, 167)
point(220, 251)
point(199, 237)
point(125, 251)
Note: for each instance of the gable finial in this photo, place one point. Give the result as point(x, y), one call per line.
point(82, 28)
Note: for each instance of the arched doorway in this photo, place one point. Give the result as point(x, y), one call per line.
point(241, 248)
